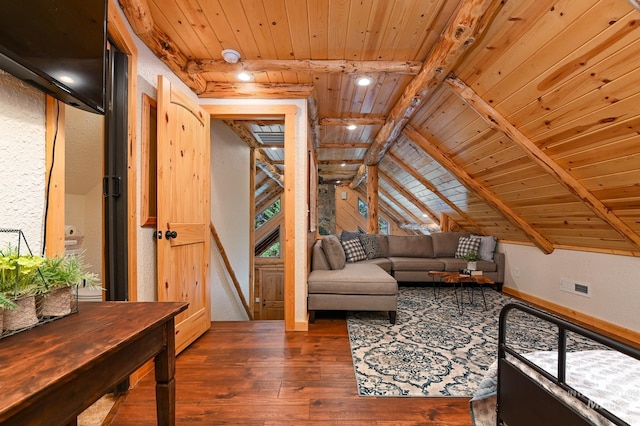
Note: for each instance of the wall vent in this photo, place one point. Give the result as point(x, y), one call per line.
point(582, 289)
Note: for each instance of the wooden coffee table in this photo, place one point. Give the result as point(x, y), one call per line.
point(457, 278)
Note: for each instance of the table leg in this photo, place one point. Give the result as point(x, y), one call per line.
point(433, 284)
point(460, 302)
point(165, 363)
point(483, 299)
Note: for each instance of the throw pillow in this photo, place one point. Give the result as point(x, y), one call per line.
point(371, 245)
point(487, 247)
point(349, 235)
point(333, 252)
point(353, 250)
point(465, 245)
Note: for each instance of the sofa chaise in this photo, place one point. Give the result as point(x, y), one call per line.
point(364, 276)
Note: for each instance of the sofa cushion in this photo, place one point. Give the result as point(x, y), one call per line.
point(353, 250)
point(467, 245)
point(333, 251)
point(410, 246)
point(382, 262)
point(318, 259)
point(349, 235)
point(371, 244)
point(416, 264)
point(487, 247)
point(446, 243)
point(354, 278)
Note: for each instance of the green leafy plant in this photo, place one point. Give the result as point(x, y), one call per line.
point(471, 256)
point(19, 276)
point(67, 271)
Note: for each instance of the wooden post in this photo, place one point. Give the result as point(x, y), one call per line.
point(444, 222)
point(55, 140)
point(372, 199)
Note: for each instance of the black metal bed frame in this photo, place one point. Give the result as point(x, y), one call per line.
point(524, 401)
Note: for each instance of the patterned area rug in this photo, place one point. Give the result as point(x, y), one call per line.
point(433, 349)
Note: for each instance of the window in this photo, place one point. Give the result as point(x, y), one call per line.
point(273, 251)
point(265, 215)
point(362, 208)
point(383, 225)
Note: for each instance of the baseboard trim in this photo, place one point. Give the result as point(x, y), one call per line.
point(613, 330)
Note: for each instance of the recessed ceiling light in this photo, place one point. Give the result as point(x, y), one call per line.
point(274, 147)
point(338, 181)
point(364, 80)
point(425, 215)
point(352, 127)
point(66, 79)
point(244, 76)
point(343, 164)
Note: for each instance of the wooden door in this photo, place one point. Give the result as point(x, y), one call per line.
point(272, 293)
point(183, 210)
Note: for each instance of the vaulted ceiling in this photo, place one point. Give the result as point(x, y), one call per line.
point(519, 119)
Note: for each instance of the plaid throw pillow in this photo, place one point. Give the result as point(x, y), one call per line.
point(467, 244)
point(354, 250)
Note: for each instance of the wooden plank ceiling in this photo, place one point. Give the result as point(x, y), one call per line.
point(519, 119)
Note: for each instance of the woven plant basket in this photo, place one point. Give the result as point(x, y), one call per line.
point(56, 303)
point(23, 317)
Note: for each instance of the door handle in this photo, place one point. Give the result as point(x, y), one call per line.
point(170, 234)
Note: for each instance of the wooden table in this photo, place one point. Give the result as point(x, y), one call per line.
point(457, 278)
point(53, 372)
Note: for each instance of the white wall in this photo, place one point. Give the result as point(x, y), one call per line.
point(85, 213)
point(230, 214)
point(614, 281)
point(22, 160)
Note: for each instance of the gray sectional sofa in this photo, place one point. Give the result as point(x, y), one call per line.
point(370, 284)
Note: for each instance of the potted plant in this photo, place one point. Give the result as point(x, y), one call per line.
point(472, 256)
point(62, 275)
point(19, 284)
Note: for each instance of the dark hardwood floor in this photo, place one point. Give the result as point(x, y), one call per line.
point(253, 373)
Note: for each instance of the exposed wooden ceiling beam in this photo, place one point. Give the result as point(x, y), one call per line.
point(338, 145)
point(386, 209)
point(468, 24)
point(305, 65)
point(139, 16)
point(465, 179)
point(410, 196)
point(359, 177)
point(263, 162)
point(359, 121)
point(256, 90)
point(314, 118)
point(416, 227)
point(243, 133)
point(400, 205)
point(337, 173)
point(498, 121)
point(339, 162)
point(268, 197)
point(417, 176)
point(264, 122)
